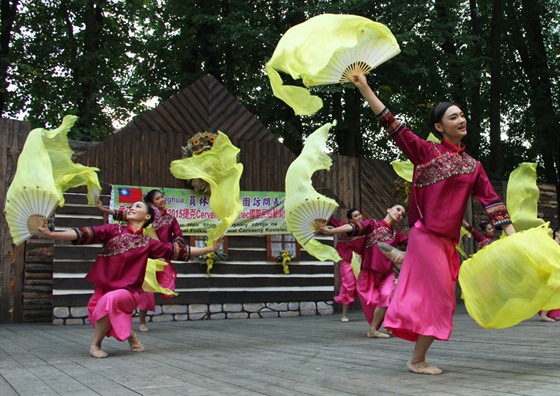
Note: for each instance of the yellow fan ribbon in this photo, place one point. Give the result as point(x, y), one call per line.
point(66, 173)
point(45, 166)
point(151, 283)
point(523, 197)
point(299, 188)
point(511, 279)
point(308, 51)
point(220, 169)
point(356, 264)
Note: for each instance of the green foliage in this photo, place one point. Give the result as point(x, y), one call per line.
point(104, 60)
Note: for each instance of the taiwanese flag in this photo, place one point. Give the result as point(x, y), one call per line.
point(129, 195)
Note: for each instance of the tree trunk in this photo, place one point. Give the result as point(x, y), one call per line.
point(475, 116)
point(535, 63)
point(347, 133)
point(9, 14)
point(496, 166)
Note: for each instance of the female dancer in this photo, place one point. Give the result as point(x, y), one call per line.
point(444, 178)
point(118, 272)
point(167, 229)
point(377, 279)
point(352, 240)
point(487, 236)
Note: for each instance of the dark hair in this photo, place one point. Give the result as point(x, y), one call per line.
point(149, 197)
point(152, 214)
point(436, 115)
point(350, 211)
point(483, 224)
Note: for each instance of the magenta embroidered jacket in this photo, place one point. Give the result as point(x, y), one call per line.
point(121, 262)
point(353, 241)
point(166, 226)
point(444, 178)
point(373, 258)
point(481, 239)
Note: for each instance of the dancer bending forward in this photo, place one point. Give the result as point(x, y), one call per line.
point(118, 271)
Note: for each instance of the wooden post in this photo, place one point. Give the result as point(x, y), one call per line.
point(12, 138)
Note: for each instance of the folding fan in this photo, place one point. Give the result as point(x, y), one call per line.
point(27, 209)
point(327, 49)
point(44, 170)
point(32, 196)
point(512, 278)
point(305, 208)
point(310, 214)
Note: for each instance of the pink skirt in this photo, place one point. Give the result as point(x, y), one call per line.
point(424, 300)
point(374, 292)
point(347, 284)
point(119, 305)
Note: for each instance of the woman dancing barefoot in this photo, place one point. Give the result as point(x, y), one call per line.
point(118, 272)
point(444, 177)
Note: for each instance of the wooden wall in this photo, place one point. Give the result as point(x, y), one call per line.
point(247, 276)
point(142, 158)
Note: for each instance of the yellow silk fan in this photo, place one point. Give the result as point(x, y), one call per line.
point(305, 208)
point(327, 49)
point(32, 196)
point(311, 215)
point(44, 170)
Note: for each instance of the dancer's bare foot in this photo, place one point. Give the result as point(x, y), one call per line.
point(545, 318)
point(377, 334)
point(96, 352)
point(143, 328)
point(134, 342)
point(423, 368)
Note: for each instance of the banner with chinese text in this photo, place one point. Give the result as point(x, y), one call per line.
point(263, 211)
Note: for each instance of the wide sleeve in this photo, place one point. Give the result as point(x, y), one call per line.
point(416, 149)
point(494, 208)
point(176, 230)
point(96, 234)
point(176, 250)
point(333, 221)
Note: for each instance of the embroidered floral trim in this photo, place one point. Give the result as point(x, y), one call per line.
point(181, 251)
point(380, 234)
point(343, 238)
point(162, 221)
point(123, 243)
point(498, 214)
point(442, 167)
point(388, 121)
point(85, 236)
point(120, 215)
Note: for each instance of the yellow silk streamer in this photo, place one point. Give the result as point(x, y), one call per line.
point(66, 173)
point(300, 191)
point(356, 264)
point(151, 283)
point(319, 51)
point(523, 197)
point(220, 169)
point(45, 169)
point(511, 279)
